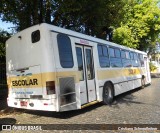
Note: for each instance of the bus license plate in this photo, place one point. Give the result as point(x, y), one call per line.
point(23, 103)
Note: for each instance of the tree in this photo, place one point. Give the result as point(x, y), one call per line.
point(4, 35)
point(142, 23)
point(86, 16)
point(123, 36)
point(24, 13)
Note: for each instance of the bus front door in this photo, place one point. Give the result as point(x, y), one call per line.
point(86, 74)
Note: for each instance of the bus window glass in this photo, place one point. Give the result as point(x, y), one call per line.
point(80, 63)
point(35, 36)
point(131, 56)
point(89, 63)
point(123, 54)
point(141, 59)
point(126, 63)
point(105, 51)
point(117, 53)
point(115, 60)
point(100, 52)
point(65, 51)
point(126, 58)
point(103, 59)
point(135, 61)
point(111, 52)
point(135, 56)
point(127, 55)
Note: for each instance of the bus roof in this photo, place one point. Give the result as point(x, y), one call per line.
point(53, 28)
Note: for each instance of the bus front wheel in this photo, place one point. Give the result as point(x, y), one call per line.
point(108, 93)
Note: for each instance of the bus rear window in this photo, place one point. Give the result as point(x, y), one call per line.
point(65, 51)
point(35, 36)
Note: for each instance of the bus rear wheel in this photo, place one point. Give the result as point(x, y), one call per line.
point(108, 93)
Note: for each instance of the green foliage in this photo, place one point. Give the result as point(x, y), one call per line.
point(86, 16)
point(3, 37)
point(152, 67)
point(142, 19)
point(22, 13)
point(123, 35)
point(136, 22)
point(2, 50)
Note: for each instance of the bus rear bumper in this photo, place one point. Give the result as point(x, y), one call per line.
point(33, 104)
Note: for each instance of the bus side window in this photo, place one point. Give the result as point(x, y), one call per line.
point(115, 57)
point(131, 55)
point(126, 61)
point(103, 56)
point(135, 60)
point(65, 51)
point(141, 59)
point(35, 36)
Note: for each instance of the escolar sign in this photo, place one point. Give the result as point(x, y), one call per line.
point(25, 82)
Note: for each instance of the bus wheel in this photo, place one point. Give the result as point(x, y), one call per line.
point(108, 93)
point(142, 82)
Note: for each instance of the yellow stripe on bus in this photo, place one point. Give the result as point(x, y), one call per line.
point(88, 104)
point(39, 80)
point(113, 73)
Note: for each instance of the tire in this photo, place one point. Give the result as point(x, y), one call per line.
point(108, 93)
point(142, 82)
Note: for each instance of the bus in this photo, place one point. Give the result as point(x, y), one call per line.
point(54, 69)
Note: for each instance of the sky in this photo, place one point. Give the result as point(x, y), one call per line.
point(6, 26)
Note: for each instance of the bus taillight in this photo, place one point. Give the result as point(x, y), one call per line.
point(50, 87)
